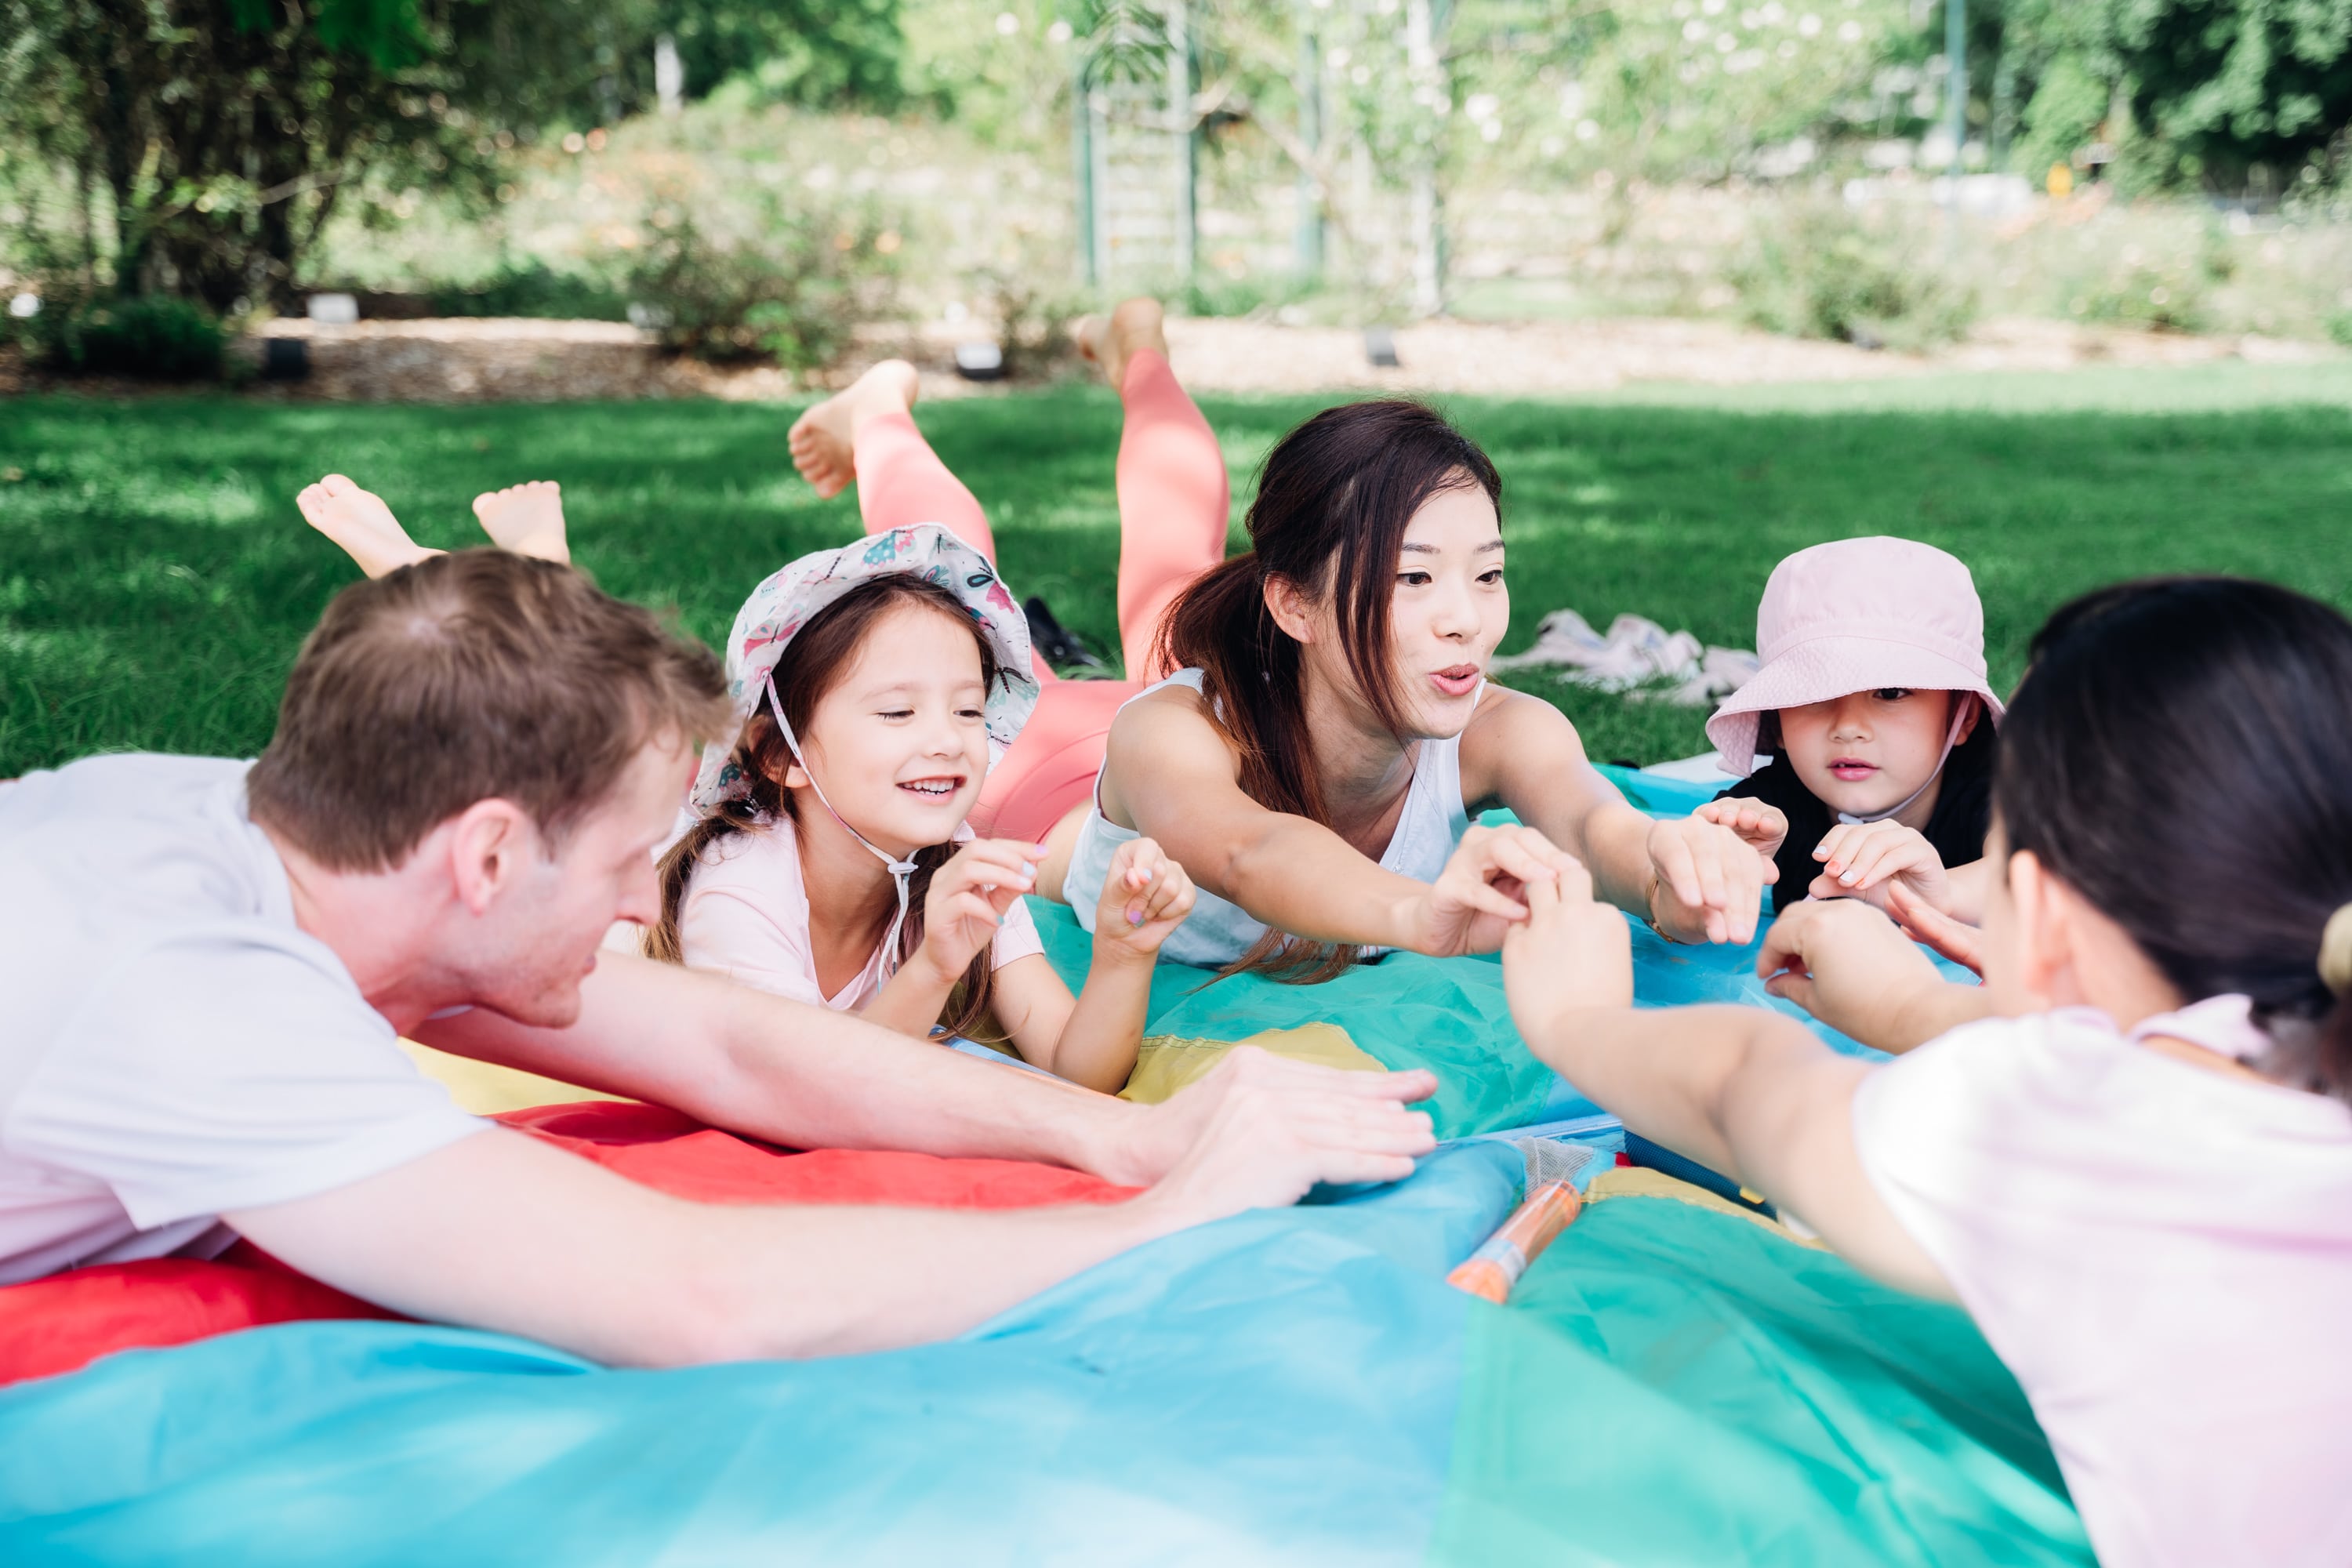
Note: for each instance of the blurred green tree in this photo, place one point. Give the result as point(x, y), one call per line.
point(218, 136)
point(2227, 94)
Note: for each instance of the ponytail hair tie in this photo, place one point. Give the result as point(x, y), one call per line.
point(2336, 952)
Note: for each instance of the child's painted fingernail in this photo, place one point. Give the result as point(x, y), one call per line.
point(1135, 917)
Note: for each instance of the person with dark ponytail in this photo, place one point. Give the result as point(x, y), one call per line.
point(2128, 1154)
point(1313, 758)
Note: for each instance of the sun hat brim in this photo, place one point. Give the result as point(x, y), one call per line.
point(1824, 668)
point(794, 595)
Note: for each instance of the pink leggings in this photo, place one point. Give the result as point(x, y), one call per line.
point(1172, 504)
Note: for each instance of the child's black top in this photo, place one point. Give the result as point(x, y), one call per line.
point(1955, 828)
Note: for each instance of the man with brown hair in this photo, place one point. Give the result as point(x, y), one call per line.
point(209, 966)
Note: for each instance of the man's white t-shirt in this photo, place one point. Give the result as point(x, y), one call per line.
point(2161, 1255)
point(171, 1046)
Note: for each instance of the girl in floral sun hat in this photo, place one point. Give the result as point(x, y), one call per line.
point(825, 856)
point(1868, 736)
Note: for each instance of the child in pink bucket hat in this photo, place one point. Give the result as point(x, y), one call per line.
point(1871, 704)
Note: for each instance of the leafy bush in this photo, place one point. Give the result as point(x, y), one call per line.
point(535, 289)
point(150, 335)
point(2168, 287)
point(1819, 270)
point(1211, 294)
point(793, 287)
point(1033, 315)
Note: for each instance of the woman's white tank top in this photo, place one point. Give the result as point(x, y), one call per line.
point(1218, 933)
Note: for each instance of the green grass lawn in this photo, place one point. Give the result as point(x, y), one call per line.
point(155, 580)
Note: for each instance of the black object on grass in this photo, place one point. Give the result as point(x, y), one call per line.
point(1056, 642)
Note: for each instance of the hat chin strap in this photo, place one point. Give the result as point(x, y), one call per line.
point(1961, 711)
point(901, 870)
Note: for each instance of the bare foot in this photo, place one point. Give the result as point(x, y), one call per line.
point(360, 521)
point(823, 439)
point(526, 518)
point(1111, 340)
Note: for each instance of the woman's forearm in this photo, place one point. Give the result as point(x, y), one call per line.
point(1301, 878)
point(1663, 1072)
point(1615, 849)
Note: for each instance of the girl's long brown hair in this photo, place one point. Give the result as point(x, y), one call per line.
point(821, 653)
point(1333, 502)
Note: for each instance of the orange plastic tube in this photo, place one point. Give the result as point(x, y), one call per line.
point(1496, 1265)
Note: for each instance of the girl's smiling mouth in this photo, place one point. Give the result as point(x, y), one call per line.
point(939, 788)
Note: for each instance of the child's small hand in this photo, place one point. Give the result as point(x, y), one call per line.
point(1847, 965)
point(968, 898)
point(1568, 953)
point(1861, 859)
point(1145, 897)
point(1764, 826)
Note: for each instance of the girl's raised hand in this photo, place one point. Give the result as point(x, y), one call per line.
point(1846, 965)
point(1766, 827)
point(1863, 859)
point(1568, 953)
point(1931, 927)
point(1144, 898)
point(968, 898)
point(1476, 898)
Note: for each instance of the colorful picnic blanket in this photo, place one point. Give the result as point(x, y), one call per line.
point(1672, 1385)
point(1675, 1381)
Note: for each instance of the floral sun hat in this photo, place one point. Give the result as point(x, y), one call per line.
point(780, 606)
point(1852, 616)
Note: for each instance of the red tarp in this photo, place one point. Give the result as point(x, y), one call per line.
point(69, 1320)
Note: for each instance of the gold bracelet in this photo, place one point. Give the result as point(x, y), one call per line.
point(1651, 919)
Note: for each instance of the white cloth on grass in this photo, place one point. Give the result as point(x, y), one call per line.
point(1634, 652)
point(172, 1045)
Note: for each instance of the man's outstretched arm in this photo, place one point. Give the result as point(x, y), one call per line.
point(497, 1231)
point(813, 1077)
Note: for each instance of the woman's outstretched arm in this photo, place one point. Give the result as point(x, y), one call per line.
point(1172, 773)
point(1699, 881)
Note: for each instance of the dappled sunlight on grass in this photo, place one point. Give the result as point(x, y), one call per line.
point(156, 579)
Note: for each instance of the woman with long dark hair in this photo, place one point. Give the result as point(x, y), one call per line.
point(1315, 758)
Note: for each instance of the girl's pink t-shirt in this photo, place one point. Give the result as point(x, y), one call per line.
point(747, 916)
point(2163, 1257)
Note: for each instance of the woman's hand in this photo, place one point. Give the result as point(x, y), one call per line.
point(1144, 898)
point(1569, 954)
point(968, 898)
point(1707, 880)
point(1865, 859)
point(1763, 828)
point(1475, 900)
point(1846, 965)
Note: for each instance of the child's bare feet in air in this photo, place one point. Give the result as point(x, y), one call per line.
point(823, 440)
point(1111, 340)
point(360, 521)
point(526, 518)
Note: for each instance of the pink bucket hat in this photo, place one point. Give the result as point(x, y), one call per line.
point(1852, 616)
